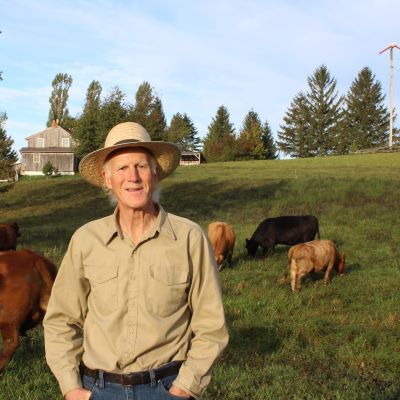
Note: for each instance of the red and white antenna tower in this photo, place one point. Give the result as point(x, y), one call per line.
point(391, 47)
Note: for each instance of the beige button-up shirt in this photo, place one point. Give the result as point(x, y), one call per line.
point(123, 308)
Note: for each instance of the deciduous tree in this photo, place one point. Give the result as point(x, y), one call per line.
point(59, 98)
point(183, 132)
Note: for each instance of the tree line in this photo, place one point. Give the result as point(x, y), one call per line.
point(318, 121)
point(99, 115)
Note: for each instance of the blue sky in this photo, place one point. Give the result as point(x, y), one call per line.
point(197, 55)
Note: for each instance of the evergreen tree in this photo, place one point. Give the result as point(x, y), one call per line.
point(294, 136)
point(87, 129)
point(219, 144)
point(148, 112)
point(156, 124)
point(183, 132)
point(325, 111)
point(249, 144)
point(366, 119)
point(268, 144)
point(8, 156)
point(112, 112)
point(59, 98)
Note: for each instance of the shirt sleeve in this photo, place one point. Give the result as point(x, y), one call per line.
point(210, 335)
point(64, 319)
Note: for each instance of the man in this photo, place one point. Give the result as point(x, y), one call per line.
point(136, 310)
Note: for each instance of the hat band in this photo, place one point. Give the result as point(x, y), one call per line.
point(127, 141)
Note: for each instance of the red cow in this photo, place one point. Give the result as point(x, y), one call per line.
point(8, 236)
point(26, 279)
point(314, 256)
point(222, 238)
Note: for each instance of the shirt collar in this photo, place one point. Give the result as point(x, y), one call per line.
point(162, 226)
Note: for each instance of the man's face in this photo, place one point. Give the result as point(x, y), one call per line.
point(129, 175)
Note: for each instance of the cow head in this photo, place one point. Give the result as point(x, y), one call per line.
point(251, 246)
point(342, 263)
point(16, 229)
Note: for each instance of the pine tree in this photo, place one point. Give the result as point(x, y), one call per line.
point(87, 129)
point(249, 144)
point(183, 132)
point(113, 111)
point(148, 111)
point(8, 156)
point(268, 144)
point(192, 139)
point(366, 119)
point(325, 111)
point(294, 137)
point(219, 144)
point(59, 98)
point(157, 124)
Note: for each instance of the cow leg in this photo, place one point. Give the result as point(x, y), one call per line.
point(328, 274)
point(10, 337)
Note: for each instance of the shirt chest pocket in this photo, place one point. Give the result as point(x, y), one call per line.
point(166, 292)
point(104, 288)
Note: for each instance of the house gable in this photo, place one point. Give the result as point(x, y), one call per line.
point(54, 145)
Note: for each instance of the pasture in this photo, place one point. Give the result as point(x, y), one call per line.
point(340, 341)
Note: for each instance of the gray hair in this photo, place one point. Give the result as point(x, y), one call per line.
point(154, 170)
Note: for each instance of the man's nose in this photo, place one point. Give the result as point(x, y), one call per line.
point(133, 174)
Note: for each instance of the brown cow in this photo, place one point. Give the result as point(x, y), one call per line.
point(26, 279)
point(314, 256)
point(222, 238)
point(8, 236)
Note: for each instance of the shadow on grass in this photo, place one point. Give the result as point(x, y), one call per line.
point(5, 188)
point(246, 343)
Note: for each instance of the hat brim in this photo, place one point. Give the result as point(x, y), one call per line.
point(166, 154)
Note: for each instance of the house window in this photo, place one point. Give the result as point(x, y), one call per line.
point(65, 142)
point(40, 142)
point(36, 157)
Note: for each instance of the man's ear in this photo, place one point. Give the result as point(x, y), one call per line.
point(107, 179)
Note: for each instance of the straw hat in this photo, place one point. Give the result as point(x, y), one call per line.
point(126, 135)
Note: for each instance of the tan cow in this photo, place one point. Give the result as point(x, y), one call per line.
point(8, 236)
point(315, 256)
point(222, 238)
point(26, 279)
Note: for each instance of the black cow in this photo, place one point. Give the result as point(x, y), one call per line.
point(287, 230)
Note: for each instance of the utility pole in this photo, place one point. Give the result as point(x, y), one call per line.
point(391, 47)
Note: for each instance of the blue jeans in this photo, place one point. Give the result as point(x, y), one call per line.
point(156, 390)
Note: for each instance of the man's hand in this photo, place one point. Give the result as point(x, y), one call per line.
point(179, 392)
point(78, 394)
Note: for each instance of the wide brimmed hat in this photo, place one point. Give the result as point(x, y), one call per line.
point(125, 135)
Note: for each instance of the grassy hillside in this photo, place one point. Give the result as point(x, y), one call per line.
point(335, 342)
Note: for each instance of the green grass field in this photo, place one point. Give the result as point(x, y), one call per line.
point(340, 341)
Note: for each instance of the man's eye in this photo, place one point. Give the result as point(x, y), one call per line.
point(123, 168)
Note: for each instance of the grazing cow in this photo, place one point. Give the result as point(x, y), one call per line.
point(287, 230)
point(314, 256)
point(8, 236)
point(222, 238)
point(26, 279)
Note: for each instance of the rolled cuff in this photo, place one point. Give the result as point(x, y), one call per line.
point(68, 381)
point(195, 385)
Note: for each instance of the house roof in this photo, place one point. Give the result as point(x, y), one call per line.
point(68, 150)
point(47, 130)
